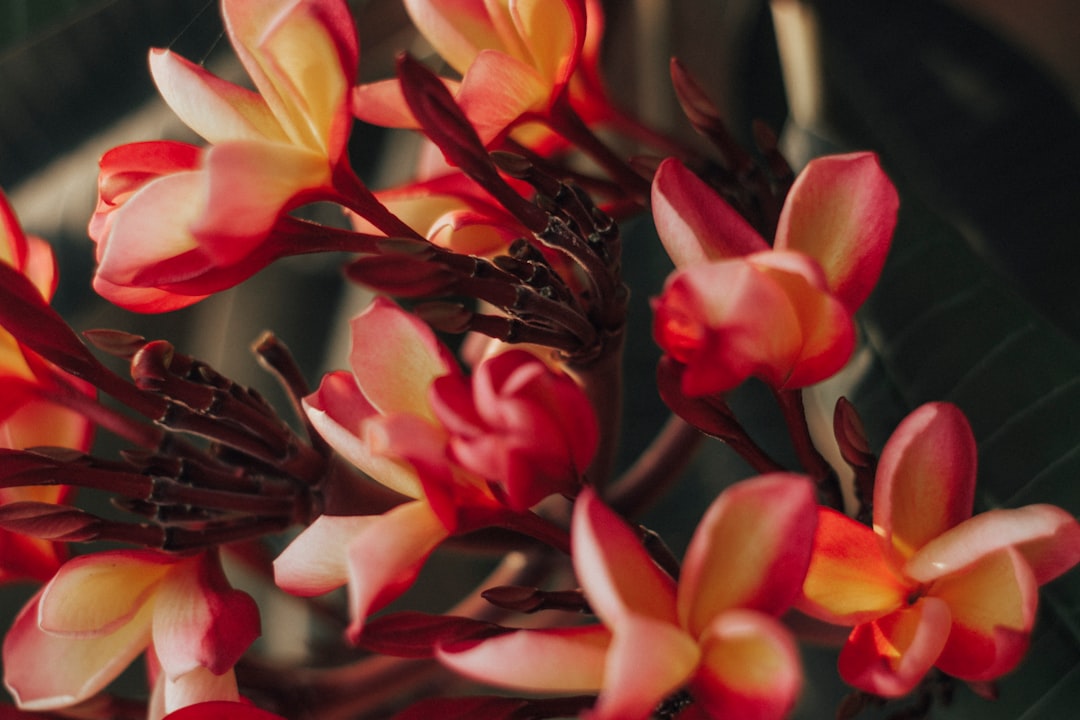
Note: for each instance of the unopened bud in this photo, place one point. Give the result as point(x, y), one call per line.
point(49, 522)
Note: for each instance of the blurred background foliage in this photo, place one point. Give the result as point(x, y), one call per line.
point(972, 104)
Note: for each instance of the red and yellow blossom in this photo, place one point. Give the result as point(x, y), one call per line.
point(102, 610)
point(930, 585)
point(175, 222)
point(516, 58)
point(714, 633)
point(736, 307)
point(29, 413)
point(462, 452)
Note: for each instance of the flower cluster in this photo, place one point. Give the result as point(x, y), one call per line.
point(505, 446)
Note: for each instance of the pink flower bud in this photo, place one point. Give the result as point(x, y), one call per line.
point(519, 423)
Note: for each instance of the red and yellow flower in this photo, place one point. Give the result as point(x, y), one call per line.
point(29, 413)
point(930, 585)
point(463, 452)
point(715, 632)
point(102, 610)
point(176, 223)
point(736, 307)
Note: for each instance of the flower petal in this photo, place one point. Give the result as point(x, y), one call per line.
point(457, 29)
point(217, 110)
point(841, 211)
point(200, 620)
point(727, 321)
point(828, 334)
point(143, 299)
point(771, 520)
point(925, 478)
point(77, 667)
point(302, 56)
point(315, 562)
point(750, 668)
point(385, 558)
point(649, 659)
point(249, 184)
point(618, 576)
point(553, 33)
point(396, 357)
point(695, 224)
point(12, 238)
point(497, 90)
point(550, 660)
point(892, 654)
point(96, 594)
point(37, 422)
point(348, 422)
point(521, 424)
point(40, 266)
point(849, 581)
point(164, 209)
point(993, 607)
point(1047, 536)
point(198, 686)
point(382, 103)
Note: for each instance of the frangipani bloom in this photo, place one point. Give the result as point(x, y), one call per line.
point(737, 308)
point(930, 585)
point(28, 416)
point(464, 453)
point(516, 58)
point(101, 611)
point(186, 222)
point(714, 633)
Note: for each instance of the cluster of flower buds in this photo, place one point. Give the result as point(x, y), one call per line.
point(510, 239)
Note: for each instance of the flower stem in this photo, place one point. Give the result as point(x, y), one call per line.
point(815, 465)
point(656, 468)
point(564, 120)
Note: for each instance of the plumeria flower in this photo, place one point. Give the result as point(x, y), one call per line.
point(462, 452)
point(176, 223)
point(516, 58)
point(714, 633)
point(102, 610)
point(736, 307)
point(29, 415)
point(930, 585)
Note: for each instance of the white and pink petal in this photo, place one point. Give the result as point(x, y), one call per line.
point(78, 667)
point(386, 556)
point(200, 621)
point(395, 357)
point(567, 660)
point(96, 595)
